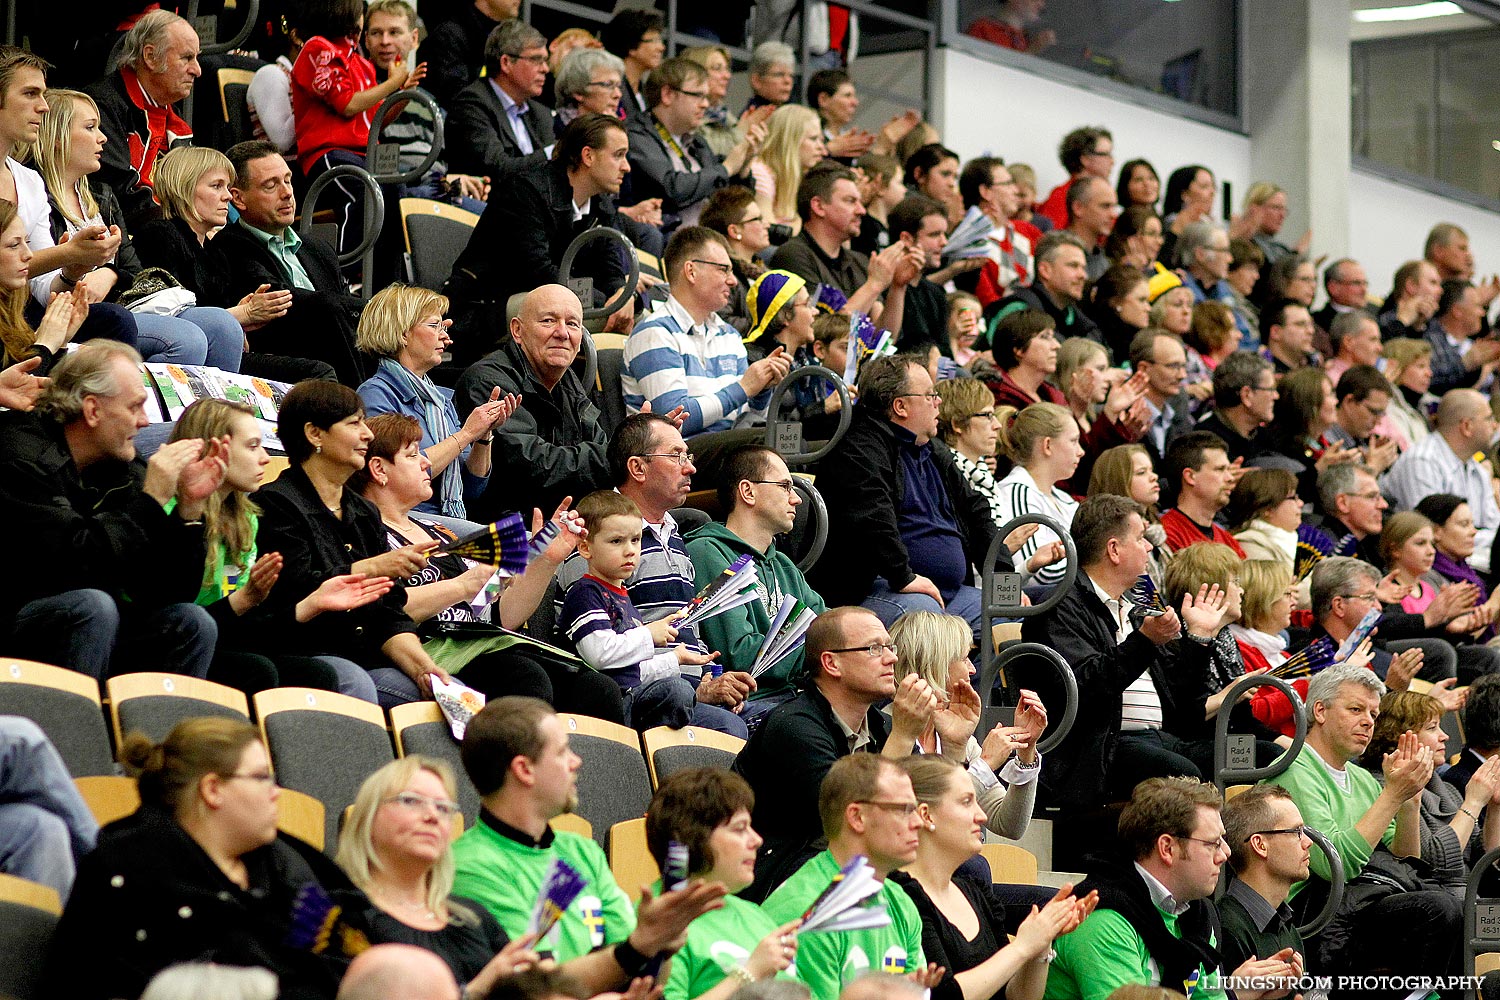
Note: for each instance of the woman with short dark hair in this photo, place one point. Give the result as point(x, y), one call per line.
point(707, 811)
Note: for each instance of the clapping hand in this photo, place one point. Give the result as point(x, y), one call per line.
point(1062, 914)
point(914, 706)
point(956, 719)
point(343, 593)
point(1408, 767)
point(19, 389)
point(256, 586)
point(484, 418)
point(566, 540)
point(1204, 614)
point(1403, 668)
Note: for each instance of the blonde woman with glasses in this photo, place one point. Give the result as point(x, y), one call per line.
point(395, 849)
point(1004, 768)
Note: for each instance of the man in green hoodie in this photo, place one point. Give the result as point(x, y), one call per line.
point(756, 490)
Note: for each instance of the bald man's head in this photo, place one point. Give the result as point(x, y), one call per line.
point(398, 972)
point(882, 986)
point(549, 328)
point(1459, 405)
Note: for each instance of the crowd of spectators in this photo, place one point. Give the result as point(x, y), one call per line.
point(1241, 481)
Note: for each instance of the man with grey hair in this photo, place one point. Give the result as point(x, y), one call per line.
point(1404, 931)
point(1203, 260)
point(496, 124)
point(1061, 274)
point(91, 527)
point(1092, 206)
point(1343, 590)
point(1444, 462)
point(1354, 337)
point(158, 64)
point(1244, 401)
point(773, 71)
point(1348, 290)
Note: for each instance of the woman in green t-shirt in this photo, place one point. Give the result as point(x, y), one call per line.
point(707, 810)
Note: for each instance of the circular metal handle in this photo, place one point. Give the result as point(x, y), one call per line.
point(252, 10)
point(1070, 566)
point(819, 519)
point(375, 209)
point(583, 239)
point(420, 170)
point(1069, 682)
point(1335, 899)
point(1248, 776)
point(1473, 944)
point(846, 413)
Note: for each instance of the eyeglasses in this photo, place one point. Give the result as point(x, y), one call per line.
point(539, 59)
point(906, 809)
point(1300, 831)
point(929, 396)
point(986, 414)
point(421, 803)
point(726, 269)
point(1262, 388)
point(1371, 596)
point(1213, 845)
point(682, 458)
point(873, 649)
point(785, 484)
point(697, 95)
point(1367, 495)
point(262, 777)
point(612, 85)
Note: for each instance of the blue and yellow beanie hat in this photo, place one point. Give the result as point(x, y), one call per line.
point(768, 295)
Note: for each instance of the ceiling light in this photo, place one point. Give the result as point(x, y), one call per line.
point(1409, 12)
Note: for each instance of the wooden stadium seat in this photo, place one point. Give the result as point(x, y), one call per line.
point(153, 703)
point(28, 916)
point(300, 816)
point(66, 705)
point(1234, 791)
point(436, 233)
point(669, 750)
point(573, 823)
point(1010, 863)
point(109, 796)
point(279, 464)
point(323, 744)
point(234, 105)
point(613, 784)
point(419, 728)
point(630, 859)
point(1486, 962)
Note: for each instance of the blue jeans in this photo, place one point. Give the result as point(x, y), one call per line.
point(889, 605)
point(88, 631)
point(45, 826)
point(673, 702)
point(357, 682)
point(196, 336)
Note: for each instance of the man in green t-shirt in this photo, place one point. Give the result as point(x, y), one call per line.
point(1408, 932)
point(1155, 924)
point(516, 752)
point(868, 807)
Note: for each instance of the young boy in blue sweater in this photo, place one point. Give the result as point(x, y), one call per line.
point(607, 631)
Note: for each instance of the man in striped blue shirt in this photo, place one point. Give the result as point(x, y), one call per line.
point(650, 464)
point(683, 354)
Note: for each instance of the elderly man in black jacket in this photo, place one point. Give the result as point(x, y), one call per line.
point(89, 527)
point(553, 446)
point(670, 159)
point(262, 248)
point(1121, 661)
point(496, 125)
point(905, 528)
point(527, 226)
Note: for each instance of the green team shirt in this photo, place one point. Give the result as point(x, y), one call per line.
point(1334, 810)
point(717, 942)
point(1105, 952)
point(826, 962)
point(506, 876)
